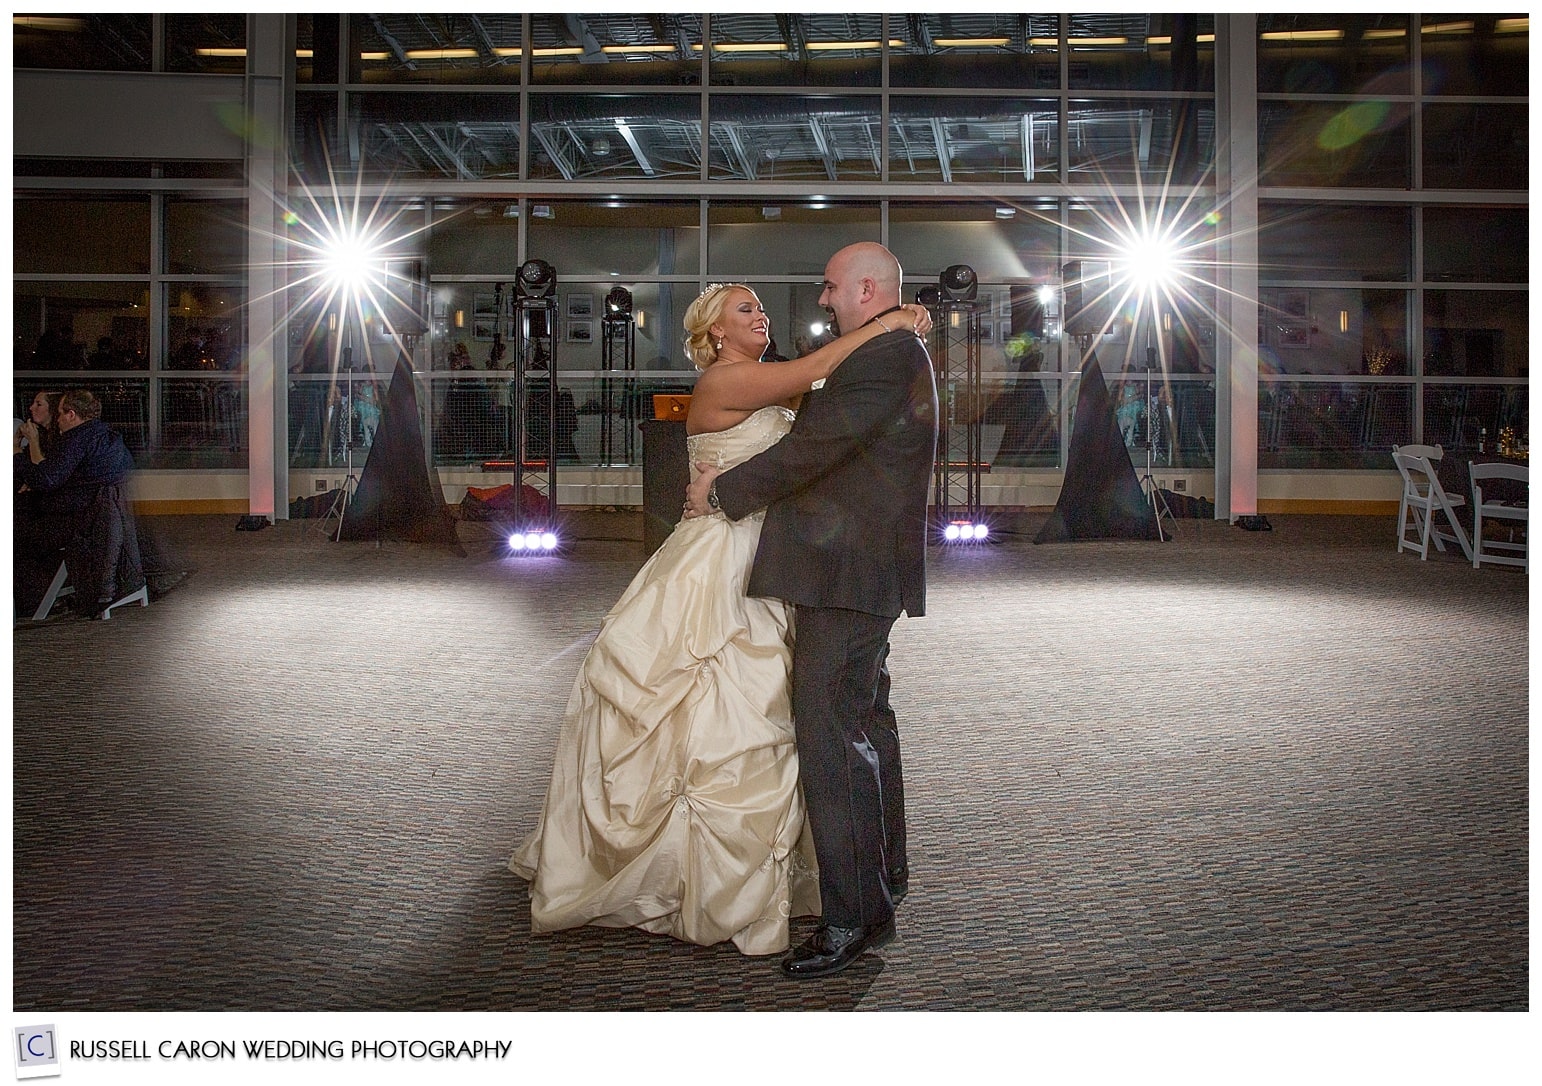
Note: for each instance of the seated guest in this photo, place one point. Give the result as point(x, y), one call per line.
point(38, 432)
point(79, 508)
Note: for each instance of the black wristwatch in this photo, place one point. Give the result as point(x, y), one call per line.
point(712, 496)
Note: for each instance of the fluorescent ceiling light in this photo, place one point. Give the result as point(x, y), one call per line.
point(1389, 32)
point(959, 43)
point(894, 43)
point(1166, 39)
point(45, 22)
point(1512, 26)
point(637, 49)
point(747, 47)
point(1074, 42)
point(441, 54)
point(217, 51)
point(374, 56)
point(1303, 35)
point(1449, 28)
point(559, 51)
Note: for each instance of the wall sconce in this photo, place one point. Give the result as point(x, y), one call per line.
point(460, 318)
point(1343, 320)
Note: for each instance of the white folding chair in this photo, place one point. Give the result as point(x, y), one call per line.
point(1431, 453)
point(1423, 498)
point(1514, 554)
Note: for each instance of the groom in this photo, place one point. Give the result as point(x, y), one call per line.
point(845, 542)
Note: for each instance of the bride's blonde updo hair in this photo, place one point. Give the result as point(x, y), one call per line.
point(700, 316)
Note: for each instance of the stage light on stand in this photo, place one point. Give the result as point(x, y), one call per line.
point(956, 316)
point(618, 402)
point(535, 279)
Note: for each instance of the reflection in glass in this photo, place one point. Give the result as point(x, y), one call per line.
point(81, 233)
point(458, 137)
point(125, 406)
point(1475, 333)
point(762, 49)
point(1476, 146)
point(591, 136)
point(205, 237)
point(975, 50)
point(407, 48)
point(202, 423)
point(794, 139)
point(1479, 54)
point(974, 139)
point(606, 48)
point(1476, 244)
point(747, 241)
point(1363, 143)
point(1462, 416)
point(92, 42)
point(1333, 330)
point(1141, 138)
point(205, 327)
point(1010, 240)
point(609, 237)
point(1324, 241)
point(1331, 425)
point(81, 326)
point(1143, 51)
point(1357, 53)
point(206, 43)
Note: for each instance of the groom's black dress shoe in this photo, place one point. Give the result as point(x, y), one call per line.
point(899, 884)
point(831, 949)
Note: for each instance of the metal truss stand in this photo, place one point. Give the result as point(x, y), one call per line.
point(618, 399)
point(958, 466)
point(341, 422)
point(533, 406)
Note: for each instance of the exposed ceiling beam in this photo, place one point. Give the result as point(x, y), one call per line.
point(944, 160)
point(825, 152)
point(584, 37)
point(636, 146)
point(740, 152)
point(542, 134)
point(392, 44)
point(450, 153)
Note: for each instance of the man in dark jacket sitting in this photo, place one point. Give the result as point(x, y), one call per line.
point(80, 508)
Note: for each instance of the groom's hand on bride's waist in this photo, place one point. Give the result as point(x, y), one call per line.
point(699, 493)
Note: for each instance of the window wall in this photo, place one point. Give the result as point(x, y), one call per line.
point(658, 153)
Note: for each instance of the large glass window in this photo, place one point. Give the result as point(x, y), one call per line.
point(205, 237)
point(206, 43)
point(1140, 138)
point(974, 139)
point(99, 42)
point(441, 48)
point(81, 326)
point(1333, 330)
point(1476, 146)
point(975, 50)
point(205, 327)
point(748, 240)
point(1143, 51)
point(1355, 53)
point(460, 137)
point(106, 235)
point(595, 48)
point(782, 138)
point(1008, 241)
point(1475, 333)
point(615, 136)
point(1326, 241)
point(763, 49)
point(616, 237)
point(1349, 144)
point(1478, 54)
point(1325, 425)
point(1477, 244)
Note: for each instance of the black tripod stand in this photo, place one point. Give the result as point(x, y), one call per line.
point(342, 417)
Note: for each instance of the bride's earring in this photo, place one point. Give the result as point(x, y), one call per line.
point(718, 346)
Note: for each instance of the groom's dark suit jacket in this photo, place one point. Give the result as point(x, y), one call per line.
point(845, 491)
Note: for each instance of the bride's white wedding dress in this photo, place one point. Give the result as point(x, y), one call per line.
point(674, 803)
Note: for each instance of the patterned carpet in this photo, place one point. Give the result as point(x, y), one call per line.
point(1232, 771)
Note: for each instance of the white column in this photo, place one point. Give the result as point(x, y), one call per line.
point(1236, 425)
point(270, 44)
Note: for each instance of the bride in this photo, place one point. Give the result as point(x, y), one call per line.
point(674, 804)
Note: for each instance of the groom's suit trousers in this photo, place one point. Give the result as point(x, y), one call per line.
point(848, 759)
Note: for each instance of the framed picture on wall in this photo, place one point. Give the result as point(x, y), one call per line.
point(1004, 305)
point(987, 331)
point(579, 332)
point(484, 316)
point(1295, 303)
point(580, 306)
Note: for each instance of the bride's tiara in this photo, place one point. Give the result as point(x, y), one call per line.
point(712, 288)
